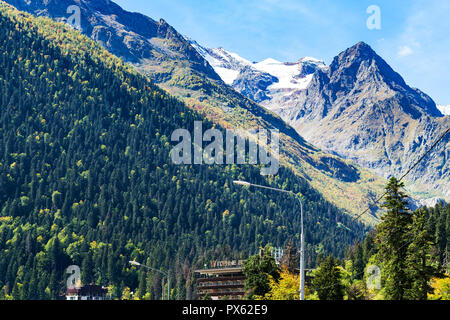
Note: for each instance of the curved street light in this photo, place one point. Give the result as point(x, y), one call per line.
point(302, 235)
point(135, 263)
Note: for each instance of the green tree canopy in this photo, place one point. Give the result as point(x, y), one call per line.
point(258, 269)
point(393, 236)
point(327, 280)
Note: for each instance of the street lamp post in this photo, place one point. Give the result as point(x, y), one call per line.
point(302, 235)
point(135, 263)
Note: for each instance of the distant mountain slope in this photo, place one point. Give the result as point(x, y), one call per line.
point(360, 109)
point(177, 67)
point(131, 36)
point(86, 177)
point(363, 110)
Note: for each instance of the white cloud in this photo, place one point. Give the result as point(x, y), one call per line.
point(404, 51)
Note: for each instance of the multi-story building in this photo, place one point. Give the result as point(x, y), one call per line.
point(224, 280)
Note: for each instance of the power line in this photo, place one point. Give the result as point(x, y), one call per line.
point(426, 153)
point(379, 199)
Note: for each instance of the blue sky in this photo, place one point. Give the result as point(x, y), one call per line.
point(414, 36)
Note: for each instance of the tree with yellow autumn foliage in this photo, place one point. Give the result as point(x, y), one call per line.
point(287, 287)
point(441, 289)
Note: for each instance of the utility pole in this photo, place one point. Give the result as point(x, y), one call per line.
point(302, 235)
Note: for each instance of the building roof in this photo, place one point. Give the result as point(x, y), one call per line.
point(87, 290)
point(216, 271)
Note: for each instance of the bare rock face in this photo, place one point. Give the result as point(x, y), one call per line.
point(254, 83)
point(134, 37)
point(358, 108)
point(361, 109)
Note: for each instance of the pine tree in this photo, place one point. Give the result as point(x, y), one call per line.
point(393, 237)
point(369, 246)
point(327, 281)
point(142, 284)
point(419, 260)
point(87, 274)
point(358, 262)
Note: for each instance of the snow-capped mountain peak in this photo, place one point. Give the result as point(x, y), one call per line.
point(269, 61)
point(311, 59)
point(296, 75)
point(267, 76)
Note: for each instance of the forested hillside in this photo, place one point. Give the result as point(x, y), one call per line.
point(86, 177)
point(156, 49)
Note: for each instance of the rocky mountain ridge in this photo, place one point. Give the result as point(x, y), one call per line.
point(361, 109)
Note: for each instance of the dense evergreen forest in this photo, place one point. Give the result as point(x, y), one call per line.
point(414, 258)
point(86, 177)
point(437, 222)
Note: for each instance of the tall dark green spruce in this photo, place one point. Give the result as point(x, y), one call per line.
point(327, 281)
point(422, 266)
point(425, 237)
point(393, 237)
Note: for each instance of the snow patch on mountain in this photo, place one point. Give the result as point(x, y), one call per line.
point(226, 64)
point(227, 75)
point(286, 73)
point(444, 109)
point(290, 75)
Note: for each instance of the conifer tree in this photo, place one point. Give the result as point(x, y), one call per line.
point(393, 237)
point(327, 281)
point(359, 262)
point(290, 259)
point(420, 267)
